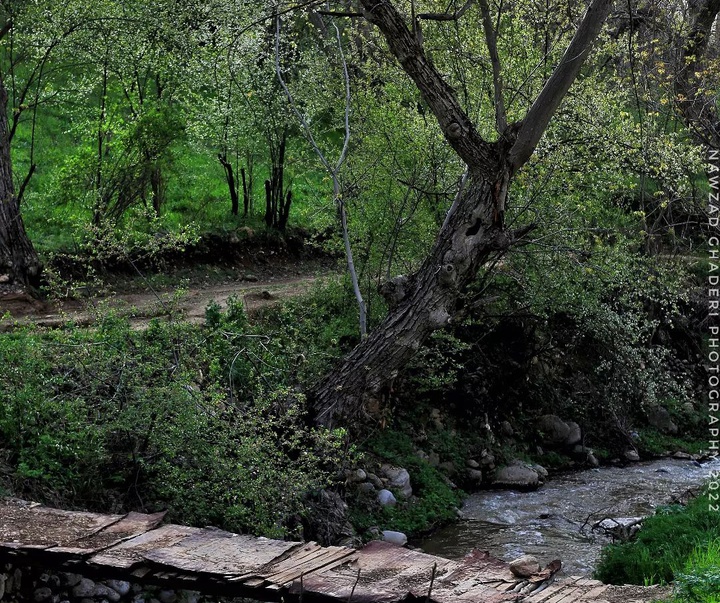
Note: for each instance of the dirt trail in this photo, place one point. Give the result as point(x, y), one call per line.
point(140, 307)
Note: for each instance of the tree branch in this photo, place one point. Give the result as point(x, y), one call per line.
point(457, 127)
point(538, 117)
point(491, 41)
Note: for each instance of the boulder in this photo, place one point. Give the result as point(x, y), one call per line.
point(575, 435)
point(83, 589)
point(475, 476)
point(525, 566)
point(472, 463)
point(398, 479)
point(517, 476)
point(632, 456)
point(386, 498)
point(119, 586)
point(683, 456)
point(397, 538)
point(366, 488)
point(592, 460)
point(356, 476)
point(105, 592)
point(554, 430)
point(506, 429)
point(660, 419)
point(375, 481)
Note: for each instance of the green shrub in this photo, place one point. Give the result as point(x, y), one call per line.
point(699, 580)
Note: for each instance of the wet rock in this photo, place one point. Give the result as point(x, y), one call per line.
point(517, 476)
point(83, 589)
point(660, 419)
point(398, 479)
point(632, 456)
point(394, 537)
point(553, 429)
point(386, 498)
point(525, 566)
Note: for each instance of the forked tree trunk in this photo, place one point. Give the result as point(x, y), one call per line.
point(473, 229)
point(19, 262)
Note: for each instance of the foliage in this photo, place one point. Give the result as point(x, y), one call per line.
point(699, 581)
point(666, 540)
point(194, 419)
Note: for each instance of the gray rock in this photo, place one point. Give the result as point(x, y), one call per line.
point(475, 476)
point(487, 460)
point(517, 476)
point(632, 456)
point(366, 488)
point(190, 596)
point(592, 460)
point(375, 481)
point(105, 592)
point(554, 430)
point(539, 469)
point(44, 593)
point(689, 407)
point(472, 463)
point(358, 475)
point(87, 600)
point(575, 435)
point(83, 589)
point(386, 498)
point(506, 429)
point(394, 537)
point(448, 467)
point(684, 456)
point(167, 596)
point(71, 579)
point(398, 479)
point(434, 459)
point(525, 566)
point(660, 419)
point(119, 586)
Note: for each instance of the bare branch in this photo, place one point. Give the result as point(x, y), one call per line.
point(538, 117)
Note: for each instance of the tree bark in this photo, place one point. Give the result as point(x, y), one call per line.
point(19, 262)
point(473, 230)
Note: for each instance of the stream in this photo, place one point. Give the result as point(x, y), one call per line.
point(550, 523)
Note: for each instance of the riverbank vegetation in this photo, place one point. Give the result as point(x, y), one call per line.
point(533, 297)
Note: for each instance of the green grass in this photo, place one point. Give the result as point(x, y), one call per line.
point(662, 548)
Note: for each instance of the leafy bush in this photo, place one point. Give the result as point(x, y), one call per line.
point(699, 581)
point(199, 420)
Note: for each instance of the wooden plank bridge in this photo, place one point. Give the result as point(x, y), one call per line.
point(137, 548)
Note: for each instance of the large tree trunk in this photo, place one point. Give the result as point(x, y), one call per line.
point(19, 263)
point(421, 304)
point(473, 230)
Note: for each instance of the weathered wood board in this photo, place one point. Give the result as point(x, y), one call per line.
point(220, 553)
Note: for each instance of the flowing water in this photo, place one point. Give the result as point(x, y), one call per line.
point(555, 521)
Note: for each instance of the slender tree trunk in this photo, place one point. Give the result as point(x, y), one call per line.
point(230, 178)
point(19, 262)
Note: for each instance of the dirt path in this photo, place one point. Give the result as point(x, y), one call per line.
point(141, 306)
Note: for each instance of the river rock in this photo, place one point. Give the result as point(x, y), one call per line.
point(487, 461)
point(575, 435)
point(660, 419)
point(375, 481)
point(683, 456)
point(83, 589)
point(475, 476)
point(119, 586)
point(554, 430)
point(525, 566)
point(105, 592)
point(517, 476)
point(366, 488)
point(386, 498)
point(472, 463)
point(506, 429)
point(592, 460)
point(394, 537)
point(42, 594)
point(356, 476)
point(71, 579)
point(632, 456)
point(398, 479)
point(167, 596)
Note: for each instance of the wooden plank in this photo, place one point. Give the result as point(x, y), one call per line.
point(283, 574)
point(25, 525)
point(591, 594)
point(133, 524)
point(130, 553)
point(542, 596)
point(568, 595)
point(216, 552)
point(588, 582)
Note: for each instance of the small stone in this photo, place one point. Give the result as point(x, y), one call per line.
point(525, 566)
point(119, 586)
point(71, 579)
point(397, 538)
point(356, 476)
point(4, 278)
point(386, 498)
point(592, 460)
point(689, 407)
point(375, 481)
point(684, 456)
point(44, 593)
point(83, 589)
point(399, 479)
point(632, 456)
point(475, 476)
point(506, 429)
point(251, 278)
point(472, 463)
